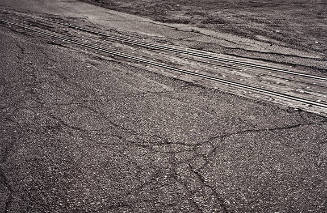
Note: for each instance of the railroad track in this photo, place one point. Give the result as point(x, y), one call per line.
point(188, 52)
point(98, 49)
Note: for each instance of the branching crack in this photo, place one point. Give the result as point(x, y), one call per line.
point(222, 202)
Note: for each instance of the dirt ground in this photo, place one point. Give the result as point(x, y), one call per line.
point(299, 23)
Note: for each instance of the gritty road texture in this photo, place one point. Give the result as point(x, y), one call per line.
point(84, 133)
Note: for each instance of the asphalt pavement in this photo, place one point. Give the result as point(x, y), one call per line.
point(84, 133)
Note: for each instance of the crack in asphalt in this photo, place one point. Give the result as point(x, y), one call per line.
point(224, 137)
point(22, 51)
point(29, 84)
point(204, 182)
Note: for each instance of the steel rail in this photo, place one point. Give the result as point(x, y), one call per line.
point(187, 72)
point(191, 52)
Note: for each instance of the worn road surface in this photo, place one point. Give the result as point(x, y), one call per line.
point(81, 132)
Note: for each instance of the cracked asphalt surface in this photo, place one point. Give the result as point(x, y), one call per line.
point(81, 133)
